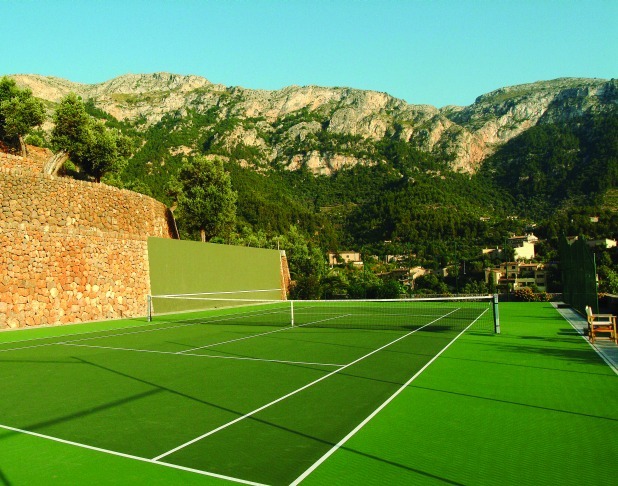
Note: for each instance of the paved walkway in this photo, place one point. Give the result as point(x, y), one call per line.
point(606, 348)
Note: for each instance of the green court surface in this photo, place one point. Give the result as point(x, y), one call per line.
point(194, 401)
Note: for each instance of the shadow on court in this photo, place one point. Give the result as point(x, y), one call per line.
point(510, 402)
point(344, 373)
point(67, 418)
point(578, 354)
point(4, 481)
point(326, 443)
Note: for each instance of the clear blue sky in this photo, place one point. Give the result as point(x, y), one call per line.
point(437, 52)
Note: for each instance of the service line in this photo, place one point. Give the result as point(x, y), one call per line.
point(294, 392)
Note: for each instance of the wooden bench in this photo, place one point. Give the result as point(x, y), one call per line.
point(605, 323)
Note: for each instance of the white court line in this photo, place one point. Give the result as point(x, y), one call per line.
point(336, 447)
point(263, 407)
point(27, 347)
point(128, 456)
point(65, 335)
point(239, 358)
point(199, 321)
point(235, 340)
point(582, 334)
point(287, 328)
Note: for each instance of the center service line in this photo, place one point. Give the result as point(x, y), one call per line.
point(263, 407)
point(336, 447)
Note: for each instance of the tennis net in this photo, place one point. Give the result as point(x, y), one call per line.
point(454, 313)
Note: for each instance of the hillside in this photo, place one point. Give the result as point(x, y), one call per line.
point(413, 173)
point(326, 129)
point(319, 169)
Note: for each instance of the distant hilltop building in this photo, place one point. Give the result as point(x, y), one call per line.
point(601, 243)
point(523, 247)
point(407, 276)
point(516, 275)
point(344, 257)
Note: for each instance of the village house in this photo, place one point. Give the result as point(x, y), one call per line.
point(407, 276)
point(602, 243)
point(523, 247)
point(516, 275)
point(344, 257)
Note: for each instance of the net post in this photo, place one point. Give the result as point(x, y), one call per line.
point(496, 314)
point(292, 312)
point(149, 309)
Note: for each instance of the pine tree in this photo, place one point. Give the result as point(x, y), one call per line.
point(206, 200)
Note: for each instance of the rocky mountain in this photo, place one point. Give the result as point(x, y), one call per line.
point(326, 129)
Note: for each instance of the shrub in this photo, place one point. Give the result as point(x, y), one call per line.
point(525, 294)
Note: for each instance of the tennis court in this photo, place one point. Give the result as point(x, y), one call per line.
point(257, 392)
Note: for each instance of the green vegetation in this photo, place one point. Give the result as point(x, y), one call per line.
point(89, 143)
point(206, 200)
point(398, 200)
point(403, 202)
point(553, 165)
point(20, 113)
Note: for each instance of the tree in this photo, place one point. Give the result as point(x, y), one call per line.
point(430, 284)
point(86, 141)
point(20, 112)
point(70, 125)
point(206, 200)
point(106, 150)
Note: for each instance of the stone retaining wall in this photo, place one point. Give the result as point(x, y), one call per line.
point(8, 161)
point(71, 251)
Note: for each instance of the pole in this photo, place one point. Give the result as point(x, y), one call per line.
point(292, 312)
point(456, 270)
point(496, 315)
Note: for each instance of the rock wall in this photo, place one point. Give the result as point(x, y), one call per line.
point(8, 161)
point(71, 251)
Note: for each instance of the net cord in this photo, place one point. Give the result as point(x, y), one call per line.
point(491, 299)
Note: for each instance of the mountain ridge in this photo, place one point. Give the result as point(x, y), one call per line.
point(277, 124)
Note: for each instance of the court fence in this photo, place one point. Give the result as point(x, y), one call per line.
point(579, 275)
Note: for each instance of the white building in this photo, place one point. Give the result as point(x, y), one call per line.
point(518, 275)
point(344, 257)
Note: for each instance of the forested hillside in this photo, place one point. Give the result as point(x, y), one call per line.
point(317, 170)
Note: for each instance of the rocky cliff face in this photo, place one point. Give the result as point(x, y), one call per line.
point(290, 126)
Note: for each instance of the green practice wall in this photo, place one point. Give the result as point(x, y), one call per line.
point(190, 267)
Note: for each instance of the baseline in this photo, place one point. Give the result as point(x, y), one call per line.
point(128, 456)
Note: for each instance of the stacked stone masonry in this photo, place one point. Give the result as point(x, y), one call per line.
point(8, 161)
point(72, 251)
